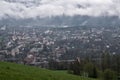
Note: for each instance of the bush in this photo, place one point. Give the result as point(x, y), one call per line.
point(8, 67)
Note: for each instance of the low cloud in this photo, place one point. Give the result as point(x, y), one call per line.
point(22, 9)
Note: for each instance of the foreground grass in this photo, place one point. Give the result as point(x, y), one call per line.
point(11, 71)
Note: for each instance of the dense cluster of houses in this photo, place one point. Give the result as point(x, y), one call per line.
point(38, 45)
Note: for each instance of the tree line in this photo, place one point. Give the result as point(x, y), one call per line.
point(107, 67)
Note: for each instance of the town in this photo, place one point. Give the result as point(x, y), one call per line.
point(38, 45)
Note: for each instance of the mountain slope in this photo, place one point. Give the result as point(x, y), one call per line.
point(64, 20)
point(11, 71)
point(60, 13)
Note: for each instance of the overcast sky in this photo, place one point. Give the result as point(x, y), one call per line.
point(48, 8)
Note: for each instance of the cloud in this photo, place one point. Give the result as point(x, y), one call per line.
point(48, 8)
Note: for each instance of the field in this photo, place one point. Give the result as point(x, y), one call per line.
point(12, 71)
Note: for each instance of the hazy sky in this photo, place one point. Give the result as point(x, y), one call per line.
point(48, 8)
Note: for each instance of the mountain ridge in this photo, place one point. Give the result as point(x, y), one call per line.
point(102, 21)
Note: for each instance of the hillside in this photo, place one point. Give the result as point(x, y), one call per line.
point(11, 71)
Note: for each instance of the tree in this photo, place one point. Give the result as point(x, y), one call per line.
point(53, 65)
point(109, 75)
point(105, 61)
point(75, 67)
point(116, 63)
point(91, 70)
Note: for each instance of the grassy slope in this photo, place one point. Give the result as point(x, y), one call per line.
point(11, 71)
